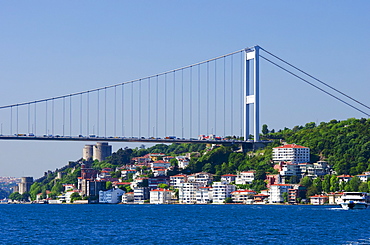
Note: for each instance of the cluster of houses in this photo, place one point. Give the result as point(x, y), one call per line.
point(201, 188)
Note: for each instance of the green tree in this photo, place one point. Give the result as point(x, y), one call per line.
point(285, 196)
point(57, 188)
point(363, 187)
point(228, 200)
point(354, 183)
point(265, 129)
point(318, 183)
point(15, 196)
point(163, 186)
point(306, 181)
point(326, 183)
point(75, 196)
point(108, 185)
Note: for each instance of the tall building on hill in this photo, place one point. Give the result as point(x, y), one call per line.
point(291, 153)
point(100, 151)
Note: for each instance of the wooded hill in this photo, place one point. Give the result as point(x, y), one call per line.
point(344, 144)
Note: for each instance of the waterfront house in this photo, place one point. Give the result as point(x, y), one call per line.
point(204, 195)
point(319, 199)
point(187, 192)
point(221, 191)
point(243, 196)
point(128, 197)
point(160, 196)
point(276, 192)
point(113, 195)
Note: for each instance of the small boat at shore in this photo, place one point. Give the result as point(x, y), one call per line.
point(355, 200)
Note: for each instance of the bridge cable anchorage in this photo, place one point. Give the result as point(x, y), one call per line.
point(322, 90)
point(349, 97)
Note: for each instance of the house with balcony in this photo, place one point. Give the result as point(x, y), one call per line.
point(243, 196)
point(204, 195)
point(161, 196)
point(111, 196)
point(221, 191)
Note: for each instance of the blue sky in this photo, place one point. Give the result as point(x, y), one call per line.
point(50, 48)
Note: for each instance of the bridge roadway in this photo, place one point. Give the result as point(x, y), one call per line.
point(247, 144)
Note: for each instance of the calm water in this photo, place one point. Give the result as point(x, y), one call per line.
point(182, 224)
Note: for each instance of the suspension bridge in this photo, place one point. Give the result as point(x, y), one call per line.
point(213, 101)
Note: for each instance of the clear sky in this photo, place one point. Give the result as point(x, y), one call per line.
point(52, 48)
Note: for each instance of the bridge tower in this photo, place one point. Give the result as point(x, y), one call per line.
point(251, 97)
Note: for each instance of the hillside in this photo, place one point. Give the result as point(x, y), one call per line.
point(344, 144)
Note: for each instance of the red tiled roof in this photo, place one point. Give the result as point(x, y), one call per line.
point(319, 196)
point(290, 146)
point(344, 176)
point(228, 175)
point(160, 189)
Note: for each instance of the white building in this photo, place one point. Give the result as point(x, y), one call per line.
point(221, 191)
point(111, 196)
point(276, 192)
point(204, 195)
point(291, 153)
point(141, 194)
point(245, 177)
point(160, 196)
point(204, 179)
point(177, 180)
point(182, 161)
point(187, 192)
point(228, 178)
point(128, 197)
point(243, 196)
point(161, 164)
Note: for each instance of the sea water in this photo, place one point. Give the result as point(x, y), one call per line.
point(182, 224)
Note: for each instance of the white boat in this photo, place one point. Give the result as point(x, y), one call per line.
point(355, 200)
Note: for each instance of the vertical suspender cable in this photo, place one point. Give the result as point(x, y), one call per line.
point(140, 108)
point(80, 114)
point(52, 117)
point(88, 114)
point(173, 108)
point(115, 110)
point(156, 108)
point(35, 121)
point(207, 98)
point(64, 114)
point(70, 115)
point(231, 94)
point(17, 120)
point(165, 105)
point(105, 112)
point(132, 109)
point(215, 96)
point(11, 120)
point(148, 121)
point(182, 103)
point(98, 116)
point(224, 96)
point(191, 101)
point(198, 99)
point(46, 117)
point(122, 107)
point(29, 131)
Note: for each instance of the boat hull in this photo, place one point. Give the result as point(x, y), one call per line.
point(354, 205)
